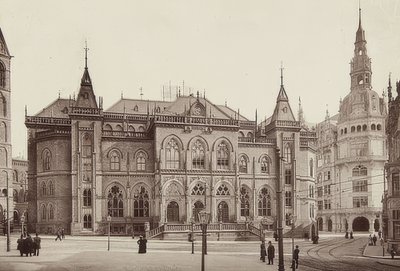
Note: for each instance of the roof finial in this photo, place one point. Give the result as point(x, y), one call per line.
point(86, 50)
point(327, 113)
point(390, 88)
point(281, 73)
point(359, 13)
point(141, 93)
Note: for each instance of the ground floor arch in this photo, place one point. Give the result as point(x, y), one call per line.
point(173, 212)
point(360, 224)
point(320, 222)
point(223, 212)
point(330, 224)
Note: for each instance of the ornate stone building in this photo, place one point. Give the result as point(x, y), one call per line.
point(391, 203)
point(5, 130)
point(161, 162)
point(352, 153)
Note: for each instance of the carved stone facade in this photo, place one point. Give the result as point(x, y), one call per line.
point(352, 153)
point(162, 162)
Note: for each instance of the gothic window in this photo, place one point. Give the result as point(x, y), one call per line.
point(288, 198)
point(44, 212)
point(87, 197)
point(141, 203)
point(264, 165)
point(311, 167)
point(288, 176)
point(141, 129)
point(264, 202)
point(241, 134)
point(2, 75)
point(87, 145)
point(222, 156)
point(107, 127)
point(358, 128)
point(115, 202)
point(51, 212)
point(136, 108)
point(198, 190)
point(15, 195)
point(345, 130)
point(3, 130)
point(46, 160)
point(51, 188)
point(131, 128)
point(118, 128)
point(242, 164)
point(364, 128)
point(87, 221)
point(360, 171)
point(140, 162)
point(3, 157)
point(44, 189)
point(373, 127)
point(250, 135)
point(172, 155)
point(198, 206)
point(114, 160)
point(287, 154)
point(198, 155)
point(244, 202)
point(353, 129)
point(360, 79)
point(15, 176)
point(222, 190)
point(172, 212)
point(3, 105)
point(378, 127)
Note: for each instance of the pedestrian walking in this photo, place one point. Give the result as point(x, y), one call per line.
point(271, 253)
point(263, 251)
point(351, 235)
point(28, 246)
point(392, 252)
point(20, 245)
point(379, 234)
point(374, 239)
point(346, 235)
point(142, 242)
point(58, 235)
point(36, 241)
point(62, 233)
point(295, 262)
point(370, 240)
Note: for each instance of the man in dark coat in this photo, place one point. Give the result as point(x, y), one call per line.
point(296, 252)
point(58, 235)
point(28, 246)
point(20, 245)
point(36, 241)
point(142, 242)
point(271, 253)
point(263, 251)
point(374, 239)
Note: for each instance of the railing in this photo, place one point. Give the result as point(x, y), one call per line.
point(287, 123)
point(247, 123)
point(255, 231)
point(133, 117)
point(257, 140)
point(47, 120)
point(53, 133)
point(124, 134)
point(196, 120)
point(155, 232)
point(308, 134)
point(85, 110)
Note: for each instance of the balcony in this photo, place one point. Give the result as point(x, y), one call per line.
point(124, 134)
point(34, 121)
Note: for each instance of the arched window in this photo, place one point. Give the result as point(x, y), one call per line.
point(51, 188)
point(140, 161)
point(87, 145)
point(288, 176)
point(264, 165)
point(118, 128)
point(197, 207)
point(223, 190)
point(244, 202)
point(16, 217)
point(358, 128)
point(242, 164)
point(223, 212)
point(360, 171)
point(364, 127)
point(222, 156)
point(287, 154)
point(288, 198)
point(115, 202)
point(87, 197)
point(107, 127)
point(345, 130)
point(87, 221)
point(46, 160)
point(264, 202)
point(198, 155)
point(114, 160)
point(2, 75)
point(373, 127)
point(131, 128)
point(250, 135)
point(353, 129)
point(378, 127)
point(51, 212)
point(198, 190)
point(44, 212)
point(136, 108)
point(311, 167)
point(15, 176)
point(141, 203)
point(240, 134)
point(172, 155)
point(142, 129)
point(44, 189)
point(3, 105)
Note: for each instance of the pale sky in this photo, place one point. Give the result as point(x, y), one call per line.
point(232, 49)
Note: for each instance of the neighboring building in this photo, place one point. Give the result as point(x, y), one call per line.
point(20, 191)
point(161, 162)
point(352, 153)
point(391, 203)
point(5, 132)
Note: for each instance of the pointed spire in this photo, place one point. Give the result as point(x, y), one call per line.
point(360, 35)
point(301, 113)
point(141, 93)
point(86, 77)
point(281, 74)
point(282, 96)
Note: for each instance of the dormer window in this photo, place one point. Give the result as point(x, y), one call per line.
point(284, 110)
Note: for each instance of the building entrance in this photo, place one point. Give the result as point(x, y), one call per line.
point(360, 224)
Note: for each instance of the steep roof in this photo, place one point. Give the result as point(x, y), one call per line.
point(3, 45)
point(56, 109)
point(282, 110)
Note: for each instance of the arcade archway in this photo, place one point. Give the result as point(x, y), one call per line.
point(360, 224)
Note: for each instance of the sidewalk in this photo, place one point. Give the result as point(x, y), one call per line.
point(377, 253)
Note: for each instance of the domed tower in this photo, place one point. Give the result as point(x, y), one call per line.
point(361, 151)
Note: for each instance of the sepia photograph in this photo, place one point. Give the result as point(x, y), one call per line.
point(209, 135)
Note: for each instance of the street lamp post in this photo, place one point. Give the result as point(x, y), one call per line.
point(204, 218)
point(109, 229)
point(8, 216)
point(192, 237)
point(279, 216)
